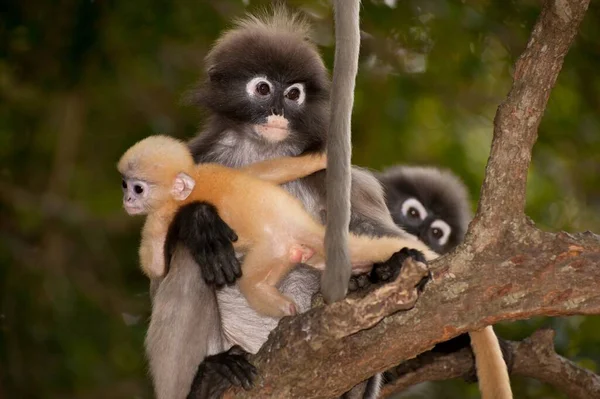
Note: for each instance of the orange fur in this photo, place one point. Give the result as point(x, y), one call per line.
point(273, 227)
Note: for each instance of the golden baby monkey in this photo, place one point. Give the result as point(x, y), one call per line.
point(275, 231)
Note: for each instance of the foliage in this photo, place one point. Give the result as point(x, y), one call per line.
point(80, 81)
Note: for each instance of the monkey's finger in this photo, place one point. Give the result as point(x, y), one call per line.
point(236, 266)
point(233, 237)
point(250, 372)
point(207, 271)
point(228, 270)
point(226, 371)
point(238, 368)
point(219, 276)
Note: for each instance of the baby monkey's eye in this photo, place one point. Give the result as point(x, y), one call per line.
point(123, 183)
point(263, 88)
point(138, 189)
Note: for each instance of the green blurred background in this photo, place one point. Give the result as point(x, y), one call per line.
point(80, 81)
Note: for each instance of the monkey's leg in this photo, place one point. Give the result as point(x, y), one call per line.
point(283, 170)
point(261, 273)
point(179, 340)
point(367, 250)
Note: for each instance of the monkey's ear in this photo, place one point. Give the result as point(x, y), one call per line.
point(182, 186)
point(214, 74)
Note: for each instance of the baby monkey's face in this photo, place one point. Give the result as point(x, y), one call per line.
point(136, 196)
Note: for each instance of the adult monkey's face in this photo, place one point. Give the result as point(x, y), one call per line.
point(275, 85)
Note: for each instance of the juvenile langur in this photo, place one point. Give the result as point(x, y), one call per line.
point(159, 176)
point(433, 204)
point(264, 68)
point(430, 203)
point(274, 230)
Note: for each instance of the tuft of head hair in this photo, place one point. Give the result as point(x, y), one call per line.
point(274, 42)
point(439, 189)
point(277, 20)
point(156, 159)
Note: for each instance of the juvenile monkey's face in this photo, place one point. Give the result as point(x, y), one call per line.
point(420, 220)
point(139, 197)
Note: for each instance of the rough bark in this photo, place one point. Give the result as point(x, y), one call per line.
point(534, 358)
point(521, 271)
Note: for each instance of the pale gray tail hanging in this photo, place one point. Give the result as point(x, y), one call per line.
point(334, 281)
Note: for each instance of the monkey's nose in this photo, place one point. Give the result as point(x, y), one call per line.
point(277, 111)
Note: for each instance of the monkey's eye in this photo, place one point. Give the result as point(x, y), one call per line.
point(123, 183)
point(440, 231)
point(263, 88)
point(295, 93)
point(259, 87)
point(413, 210)
point(138, 189)
point(414, 213)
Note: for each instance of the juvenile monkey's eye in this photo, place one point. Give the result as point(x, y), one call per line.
point(138, 189)
point(123, 183)
point(413, 210)
point(293, 94)
point(263, 88)
point(440, 231)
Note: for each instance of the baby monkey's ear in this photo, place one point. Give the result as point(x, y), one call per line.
point(182, 186)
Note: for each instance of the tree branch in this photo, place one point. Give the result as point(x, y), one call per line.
point(522, 272)
point(534, 357)
point(518, 117)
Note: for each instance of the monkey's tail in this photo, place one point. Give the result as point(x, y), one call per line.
point(492, 373)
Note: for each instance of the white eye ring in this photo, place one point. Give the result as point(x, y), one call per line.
point(414, 203)
point(446, 230)
point(300, 87)
point(251, 86)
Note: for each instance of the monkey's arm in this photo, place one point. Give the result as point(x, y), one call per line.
point(209, 240)
point(285, 169)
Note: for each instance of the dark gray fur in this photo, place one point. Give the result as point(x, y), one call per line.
point(186, 325)
point(334, 281)
point(441, 192)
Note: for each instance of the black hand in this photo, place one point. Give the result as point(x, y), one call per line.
point(358, 282)
point(390, 269)
point(209, 239)
point(219, 372)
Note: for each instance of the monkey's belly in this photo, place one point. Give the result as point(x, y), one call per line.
point(245, 327)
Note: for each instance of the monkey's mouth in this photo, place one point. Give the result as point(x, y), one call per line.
point(133, 210)
point(274, 130)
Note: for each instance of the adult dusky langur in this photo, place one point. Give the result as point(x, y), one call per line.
point(264, 69)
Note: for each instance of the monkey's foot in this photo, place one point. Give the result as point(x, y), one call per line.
point(219, 372)
point(300, 254)
point(390, 269)
point(287, 308)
